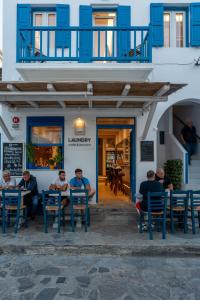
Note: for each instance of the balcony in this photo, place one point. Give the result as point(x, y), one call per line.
point(75, 44)
point(74, 53)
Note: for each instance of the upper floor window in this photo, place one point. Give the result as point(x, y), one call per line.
point(174, 29)
point(44, 19)
point(103, 40)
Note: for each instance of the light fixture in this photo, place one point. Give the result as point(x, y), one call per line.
point(79, 126)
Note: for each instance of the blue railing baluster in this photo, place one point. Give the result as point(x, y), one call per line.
point(142, 44)
point(77, 43)
point(135, 44)
point(40, 44)
point(44, 39)
point(113, 44)
point(48, 33)
point(99, 43)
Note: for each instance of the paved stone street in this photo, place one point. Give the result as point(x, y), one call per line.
point(98, 277)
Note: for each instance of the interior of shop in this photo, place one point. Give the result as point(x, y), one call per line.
point(114, 161)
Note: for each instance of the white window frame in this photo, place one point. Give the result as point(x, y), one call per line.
point(45, 20)
point(173, 27)
point(102, 35)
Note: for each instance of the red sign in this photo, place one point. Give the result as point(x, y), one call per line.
point(16, 120)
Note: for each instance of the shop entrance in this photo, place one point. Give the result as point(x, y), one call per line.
point(115, 160)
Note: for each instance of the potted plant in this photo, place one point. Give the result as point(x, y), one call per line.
point(51, 163)
point(58, 159)
point(174, 169)
point(30, 155)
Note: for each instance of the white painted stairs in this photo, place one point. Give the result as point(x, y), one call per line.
point(194, 174)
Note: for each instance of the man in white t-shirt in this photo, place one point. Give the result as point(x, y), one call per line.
point(60, 183)
point(6, 181)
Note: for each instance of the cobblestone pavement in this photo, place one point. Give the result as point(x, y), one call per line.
point(98, 277)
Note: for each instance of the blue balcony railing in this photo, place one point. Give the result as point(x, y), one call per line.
point(106, 44)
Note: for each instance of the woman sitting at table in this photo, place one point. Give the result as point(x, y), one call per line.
point(7, 181)
point(60, 183)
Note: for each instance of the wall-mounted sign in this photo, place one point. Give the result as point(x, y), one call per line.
point(15, 122)
point(79, 141)
point(13, 158)
point(147, 150)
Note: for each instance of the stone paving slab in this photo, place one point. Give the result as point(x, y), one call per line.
point(98, 278)
point(102, 240)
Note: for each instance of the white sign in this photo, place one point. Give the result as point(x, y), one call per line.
point(15, 122)
point(79, 141)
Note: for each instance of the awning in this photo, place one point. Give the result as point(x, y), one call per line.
point(85, 94)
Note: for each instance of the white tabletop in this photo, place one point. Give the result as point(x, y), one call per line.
point(23, 193)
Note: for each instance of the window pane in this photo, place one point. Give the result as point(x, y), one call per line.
point(167, 30)
point(46, 135)
point(51, 20)
point(179, 30)
point(38, 22)
point(43, 155)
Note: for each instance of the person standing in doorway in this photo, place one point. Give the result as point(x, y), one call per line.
point(189, 139)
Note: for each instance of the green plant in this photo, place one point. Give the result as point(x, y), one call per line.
point(58, 158)
point(51, 161)
point(174, 169)
point(30, 152)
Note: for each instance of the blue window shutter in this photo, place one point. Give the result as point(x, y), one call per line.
point(63, 39)
point(195, 24)
point(85, 46)
point(123, 38)
point(157, 24)
point(24, 20)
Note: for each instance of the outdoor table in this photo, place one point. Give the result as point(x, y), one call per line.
point(23, 193)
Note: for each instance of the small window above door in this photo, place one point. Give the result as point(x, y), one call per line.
point(174, 29)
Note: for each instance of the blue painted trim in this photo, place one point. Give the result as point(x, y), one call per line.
point(186, 168)
point(133, 148)
point(44, 121)
point(143, 54)
point(186, 10)
point(43, 9)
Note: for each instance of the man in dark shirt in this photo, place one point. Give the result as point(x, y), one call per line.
point(163, 179)
point(189, 139)
point(150, 185)
point(29, 183)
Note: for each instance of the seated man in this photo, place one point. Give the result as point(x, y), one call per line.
point(29, 183)
point(165, 180)
point(60, 183)
point(80, 182)
point(150, 185)
point(6, 181)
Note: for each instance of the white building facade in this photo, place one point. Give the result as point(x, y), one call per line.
point(64, 60)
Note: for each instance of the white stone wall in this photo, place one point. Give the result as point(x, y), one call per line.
point(170, 65)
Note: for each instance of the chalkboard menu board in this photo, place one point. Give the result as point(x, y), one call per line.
point(147, 150)
point(13, 158)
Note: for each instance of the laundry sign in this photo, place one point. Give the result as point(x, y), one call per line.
point(80, 141)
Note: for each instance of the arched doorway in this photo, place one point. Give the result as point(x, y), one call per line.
point(169, 143)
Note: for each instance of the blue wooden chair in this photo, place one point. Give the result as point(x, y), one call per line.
point(179, 209)
point(79, 206)
point(52, 207)
point(13, 209)
point(195, 208)
point(157, 208)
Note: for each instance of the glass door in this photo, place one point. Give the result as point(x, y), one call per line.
point(104, 41)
